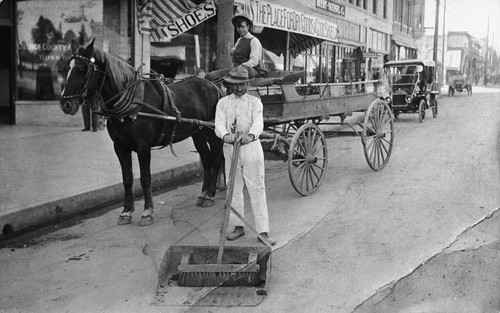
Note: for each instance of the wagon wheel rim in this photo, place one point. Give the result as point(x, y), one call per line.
point(307, 159)
point(421, 111)
point(378, 135)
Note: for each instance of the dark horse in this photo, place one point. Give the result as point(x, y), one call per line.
point(112, 86)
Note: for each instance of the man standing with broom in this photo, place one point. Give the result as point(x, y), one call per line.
point(241, 113)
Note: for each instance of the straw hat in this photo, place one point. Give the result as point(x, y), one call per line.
point(238, 75)
point(242, 15)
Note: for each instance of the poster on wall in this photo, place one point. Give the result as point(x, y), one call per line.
point(44, 34)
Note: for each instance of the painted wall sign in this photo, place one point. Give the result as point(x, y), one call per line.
point(331, 6)
point(202, 13)
point(274, 16)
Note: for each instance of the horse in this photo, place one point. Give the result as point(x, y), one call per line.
point(112, 86)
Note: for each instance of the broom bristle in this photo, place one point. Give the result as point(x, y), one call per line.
point(223, 279)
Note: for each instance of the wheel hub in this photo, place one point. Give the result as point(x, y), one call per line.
point(310, 158)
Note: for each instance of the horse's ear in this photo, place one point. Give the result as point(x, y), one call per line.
point(90, 48)
point(74, 46)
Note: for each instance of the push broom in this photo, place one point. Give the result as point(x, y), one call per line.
point(221, 274)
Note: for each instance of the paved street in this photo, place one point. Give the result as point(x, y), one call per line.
point(422, 235)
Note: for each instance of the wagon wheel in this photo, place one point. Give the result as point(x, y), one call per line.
point(421, 110)
point(307, 159)
point(378, 134)
point(434, 108)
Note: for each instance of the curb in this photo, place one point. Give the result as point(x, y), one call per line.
point(39, 215)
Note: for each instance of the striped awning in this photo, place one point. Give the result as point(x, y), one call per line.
point(300, 43)
point(166, 19)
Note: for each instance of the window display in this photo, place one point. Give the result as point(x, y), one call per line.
point(44, 34)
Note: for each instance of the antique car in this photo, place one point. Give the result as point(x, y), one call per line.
point(411, 87)
point(459, 84)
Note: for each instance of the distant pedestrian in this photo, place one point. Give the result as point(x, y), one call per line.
point(90, 120)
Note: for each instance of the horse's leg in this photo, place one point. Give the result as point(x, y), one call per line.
point(221, 177)
point(210, 171)
point(125, 158)
point(144, 157)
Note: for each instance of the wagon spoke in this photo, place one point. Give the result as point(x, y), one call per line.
point(318, 167)
point(384, 147)
point(370, 145)
point(301, 146)
point(311, 172)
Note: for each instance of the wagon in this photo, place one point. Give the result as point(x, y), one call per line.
point(411, 87)
point(459, 84)
point(294, 115)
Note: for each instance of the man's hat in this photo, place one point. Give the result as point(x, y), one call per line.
point(238, 75)
point(241, 14)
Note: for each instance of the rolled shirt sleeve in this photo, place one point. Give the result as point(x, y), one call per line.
point(257, 117)
point(221, 118)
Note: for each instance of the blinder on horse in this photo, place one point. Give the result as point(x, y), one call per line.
point(92, 69)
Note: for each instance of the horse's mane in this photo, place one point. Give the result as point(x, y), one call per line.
point(121, 73)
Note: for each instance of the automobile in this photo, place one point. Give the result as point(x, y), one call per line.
point(411, 87)
point(459, 84)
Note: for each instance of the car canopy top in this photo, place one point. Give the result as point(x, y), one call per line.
point(410, 62)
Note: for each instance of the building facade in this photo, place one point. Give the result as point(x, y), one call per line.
point(329, 40)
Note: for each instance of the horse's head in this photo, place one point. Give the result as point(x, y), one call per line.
point(81, 79)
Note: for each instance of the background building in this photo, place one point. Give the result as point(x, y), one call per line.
point(329, 40)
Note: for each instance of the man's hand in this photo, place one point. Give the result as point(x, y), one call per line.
point(246, 139)
point(229, 138)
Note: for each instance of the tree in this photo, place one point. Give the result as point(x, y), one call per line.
point(45, 34)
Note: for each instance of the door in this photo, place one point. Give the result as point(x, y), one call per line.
point(7, 108)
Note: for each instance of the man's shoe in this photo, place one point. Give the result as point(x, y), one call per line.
point(271, 241)
point(85, 129)
point(237, 233)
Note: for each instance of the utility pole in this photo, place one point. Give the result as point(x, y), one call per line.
point(436, 34)
point(442, 55)
point(485, 79)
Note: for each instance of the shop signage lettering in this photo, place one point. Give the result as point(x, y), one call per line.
point(274, 16)
point(188, 21)
point(331, 6)
point(45, 46)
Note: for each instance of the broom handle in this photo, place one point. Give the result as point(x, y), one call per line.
point(229, 197)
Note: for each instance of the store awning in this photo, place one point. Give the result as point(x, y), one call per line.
point(300, 43)
point(166, 19)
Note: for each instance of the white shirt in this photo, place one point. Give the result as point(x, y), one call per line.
point(245, 111)
point(255, 50)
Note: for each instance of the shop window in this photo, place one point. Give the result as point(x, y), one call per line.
point(191, 53)
point(44, 34)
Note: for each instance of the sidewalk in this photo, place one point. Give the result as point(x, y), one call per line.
point(51, 172)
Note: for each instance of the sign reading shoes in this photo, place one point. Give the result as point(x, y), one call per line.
point(189, 20)
point(274, 16)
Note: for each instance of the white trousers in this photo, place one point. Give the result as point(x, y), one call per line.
point(249, 172)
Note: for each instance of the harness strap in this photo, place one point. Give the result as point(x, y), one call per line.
point(167, 103)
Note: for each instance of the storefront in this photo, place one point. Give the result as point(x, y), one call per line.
point(44, 31)
point(44, 34)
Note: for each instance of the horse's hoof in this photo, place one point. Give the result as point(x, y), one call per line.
point(221, 187)
point(124, 220)
point(205, 202)
point(146, 220)
point(199, 202)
